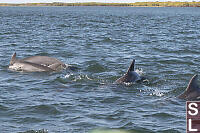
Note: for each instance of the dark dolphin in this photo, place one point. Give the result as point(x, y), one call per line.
point(130, 76)
point(36, 64)
point(192, 92)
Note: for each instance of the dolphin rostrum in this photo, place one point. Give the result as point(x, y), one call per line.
point(36, 64)
point(192, 92)
point(130, 76)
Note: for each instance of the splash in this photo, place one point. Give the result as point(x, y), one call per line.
point(157, 93)
point(68, 75)
point(139, 71)
point(36, 131)
point(77, 77)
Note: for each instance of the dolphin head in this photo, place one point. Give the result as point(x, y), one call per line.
point(131, 75)
point(192, 92)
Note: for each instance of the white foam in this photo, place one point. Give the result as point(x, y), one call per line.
point(139, 71)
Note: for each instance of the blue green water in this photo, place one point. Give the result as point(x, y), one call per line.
point(101, 42)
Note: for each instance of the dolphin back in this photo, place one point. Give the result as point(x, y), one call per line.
point(38, 66)
point(45, 60)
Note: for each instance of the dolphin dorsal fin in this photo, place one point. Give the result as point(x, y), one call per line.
point(13, 59)
point(193, 84)
point(132, 66)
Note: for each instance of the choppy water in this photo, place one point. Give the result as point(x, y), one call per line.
point(101, 42)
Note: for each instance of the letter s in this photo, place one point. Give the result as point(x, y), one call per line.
point(193, 108)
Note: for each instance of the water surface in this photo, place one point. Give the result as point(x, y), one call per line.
point(101, 42)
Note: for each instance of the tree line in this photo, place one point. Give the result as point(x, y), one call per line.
point(136, 4)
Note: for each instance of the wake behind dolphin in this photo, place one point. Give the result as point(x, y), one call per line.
point(131, 75)
point(192, 92)
point(36, 64)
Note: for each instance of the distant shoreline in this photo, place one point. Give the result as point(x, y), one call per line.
point(136, 4)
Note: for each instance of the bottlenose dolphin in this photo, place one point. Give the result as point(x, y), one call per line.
point(130, 76)
point(36, 64)
point(192, 92)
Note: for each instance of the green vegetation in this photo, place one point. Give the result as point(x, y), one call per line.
point(136, 4)
point(167, 4)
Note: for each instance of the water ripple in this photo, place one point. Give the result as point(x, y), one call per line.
point(101, 42)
